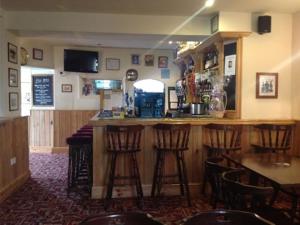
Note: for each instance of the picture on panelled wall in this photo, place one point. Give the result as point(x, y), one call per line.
point(162, 62)
point(13, 77)
point(112, 64)
point(66, 88)
point(266, 85)
point(135, 59)
point(12, 53)
point(37, 54)
point(13, 101)
point(149, 60)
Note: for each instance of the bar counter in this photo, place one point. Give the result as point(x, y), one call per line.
point(194, 157)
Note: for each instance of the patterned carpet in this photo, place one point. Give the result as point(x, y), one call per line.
point(43, 199)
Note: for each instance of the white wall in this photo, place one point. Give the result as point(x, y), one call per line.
point(234, 21)
point(296, 66)
point(269, 52)
point(76, 100)
point(48, 58)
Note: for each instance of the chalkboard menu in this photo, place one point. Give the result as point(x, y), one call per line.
point(42, 89)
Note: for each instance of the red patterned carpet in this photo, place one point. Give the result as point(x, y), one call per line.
point(43, 199)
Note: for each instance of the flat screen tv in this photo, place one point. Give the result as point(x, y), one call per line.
point(80, 61)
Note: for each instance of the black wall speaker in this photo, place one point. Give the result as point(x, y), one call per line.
point(264, 24)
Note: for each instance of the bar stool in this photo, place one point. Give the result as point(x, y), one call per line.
point(221, 138)
point(171, 138)
point(124, 140)
point(273, 138)
point(80, 156)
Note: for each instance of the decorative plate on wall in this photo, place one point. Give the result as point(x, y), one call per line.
point(131, 75)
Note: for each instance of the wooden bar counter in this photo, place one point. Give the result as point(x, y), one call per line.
point(194, 157)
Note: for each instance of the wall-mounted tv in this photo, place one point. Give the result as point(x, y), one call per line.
point(80, 61)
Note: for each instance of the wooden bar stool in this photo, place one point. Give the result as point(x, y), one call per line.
point(171, 138)
point(221, 138)
point(273, 138)
point(124, 140)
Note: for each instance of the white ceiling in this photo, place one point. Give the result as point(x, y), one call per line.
point(152, 7)
point(140, 7)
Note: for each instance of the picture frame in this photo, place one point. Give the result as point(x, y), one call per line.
point(214, 24)
point(112, 64)
point(135, 59)
point(66, 88)
point(37, 54)
point(13, 77)
point(162, 62)
point(13, 101)
point(12, 53)
point(266, 85)
point(149, 60)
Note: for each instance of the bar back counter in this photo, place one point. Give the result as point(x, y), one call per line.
point(194, 157)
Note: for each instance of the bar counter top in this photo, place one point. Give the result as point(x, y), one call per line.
point(96, 121)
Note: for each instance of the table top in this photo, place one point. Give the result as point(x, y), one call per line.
point(280, 168)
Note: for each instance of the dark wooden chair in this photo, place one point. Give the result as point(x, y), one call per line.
point(171, 139)
point(273, 137)
point(124, 140)
point(219, 139)
point(132, 218)
point(227, 217)
point(242, 195)
point(214, 168)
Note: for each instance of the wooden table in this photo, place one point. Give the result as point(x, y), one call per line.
point(280, 168)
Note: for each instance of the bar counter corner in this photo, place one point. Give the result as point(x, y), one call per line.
point(194, 157)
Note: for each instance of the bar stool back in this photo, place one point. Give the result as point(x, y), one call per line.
point(124, 140)
point(171, 138)
point(273, 137)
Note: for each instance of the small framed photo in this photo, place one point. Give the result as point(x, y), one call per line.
point(266, 85)
point(112, 64)
point(149, 60)
point(135, 59)
point(12, 53)
point(13, 101)
point(37, 54)
point(162, 62)
point(66, 88)
point(214, 24)
point(13, 77)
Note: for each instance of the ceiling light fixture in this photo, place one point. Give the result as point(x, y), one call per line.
point(209, 3)
point(170, 42)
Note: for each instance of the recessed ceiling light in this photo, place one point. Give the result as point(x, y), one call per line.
point(209, 3)
point(170, 42)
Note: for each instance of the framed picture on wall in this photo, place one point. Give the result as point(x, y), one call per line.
point(135, 59)
point(266, 85)
point(66, 88)
point(13, 101)
point(12, 51)
point(149, 60)
point(214, 24)
point(13, 77)
point(162, 62)
point(112, 64)
point(37, 54)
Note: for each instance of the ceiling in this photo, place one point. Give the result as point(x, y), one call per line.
point(139, 7)
point(152, 7)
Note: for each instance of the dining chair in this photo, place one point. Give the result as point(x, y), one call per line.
point(240, 194)
point(273, 137)
point(226, 217)
point(129, 218)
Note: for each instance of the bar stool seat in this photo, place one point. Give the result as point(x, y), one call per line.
point(173, 139)
point(124, 140)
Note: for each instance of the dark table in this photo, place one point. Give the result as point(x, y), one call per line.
point(280, 168)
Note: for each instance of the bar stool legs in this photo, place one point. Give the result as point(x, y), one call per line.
point(181, 173)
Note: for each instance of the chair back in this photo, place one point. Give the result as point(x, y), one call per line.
point(171, 137)
point(226, 217)
point(241, 195)
point(133, 218)
point(123, 138)
point(274, 137)
point(224, 138)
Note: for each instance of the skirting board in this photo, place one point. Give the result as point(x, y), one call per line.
point(6, 191)
point(60, 150)
point(98, 192)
